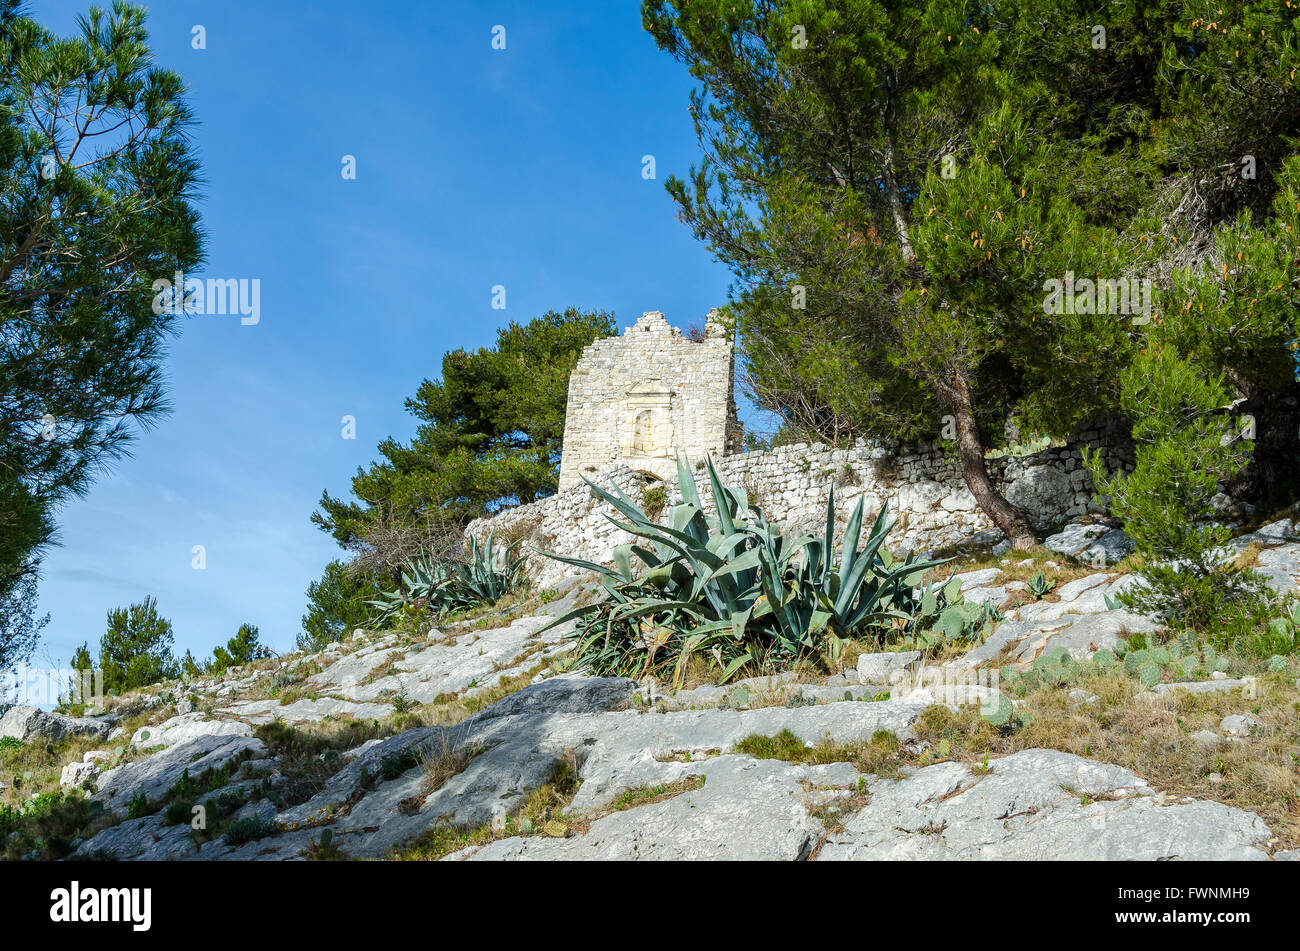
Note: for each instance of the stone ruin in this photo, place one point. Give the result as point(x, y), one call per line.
point(640, 399)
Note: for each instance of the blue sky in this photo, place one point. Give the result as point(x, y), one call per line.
point(475, 168)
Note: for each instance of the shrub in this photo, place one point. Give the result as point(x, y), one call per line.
point(444, 586)
point(337, 604)
point(737, 590)
point(653, 501)
point(248, 829)
point(138, 807)
point(1185, 450)
point(1279, 637)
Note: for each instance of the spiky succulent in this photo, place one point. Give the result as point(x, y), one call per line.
point(735, 589)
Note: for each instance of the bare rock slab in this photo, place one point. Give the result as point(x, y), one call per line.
point(1037, 805)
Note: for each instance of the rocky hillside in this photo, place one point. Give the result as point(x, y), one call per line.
point(473, 741)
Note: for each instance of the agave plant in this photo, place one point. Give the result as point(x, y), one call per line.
point(1039, 586)
point(424, 583)
point(444, 586)
point(734, 587)
point(485, 577)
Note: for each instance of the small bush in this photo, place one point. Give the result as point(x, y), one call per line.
point(1186, 449)
point(654, 500)
point(248, 829)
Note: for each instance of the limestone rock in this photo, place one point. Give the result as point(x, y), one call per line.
point(1110, 548)
point(77, 774)
point(30, 724)
point(1239, 725)
point(156, 774)
point(876, 668)
point(1074, 538)
point(747, 810)
point(1023, 811)
point(186, 727)
point(1207, 739)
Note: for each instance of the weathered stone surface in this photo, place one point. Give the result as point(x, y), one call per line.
point(1276, 533)
point(1029, 808)
point(747, 810)
point(1074, 538)
point(305, 711)
point(1207, 739)
point(1110, 548)
point(1205, 686)
point(1285, 558)
point(478, 658)
point(157, 774)
point(1041, 491)
point(186, 727)
point(976, 579)
point(1072, 589)
point(565, 695)
point(79, 773)
point(1239, 725)
point(1089, 633)
point(1020, 642)
point(988, 595)
point(877, 668)
point(30, 724)
point(146, 840)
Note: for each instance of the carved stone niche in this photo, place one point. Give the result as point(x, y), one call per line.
point(648, 422)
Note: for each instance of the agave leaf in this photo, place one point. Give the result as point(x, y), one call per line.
point(734, 666)
point(721, 500)
point(623, 561)
point(686, 483)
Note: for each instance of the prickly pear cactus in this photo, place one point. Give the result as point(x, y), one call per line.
point(1190, 666)
point(1149, 674)
point(1135, 659)
point(997, 710)
point(1104, 659)
point(1277, 664)
point(1056, 668)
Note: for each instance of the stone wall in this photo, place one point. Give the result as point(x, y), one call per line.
point(922, 485)
point(641, 398)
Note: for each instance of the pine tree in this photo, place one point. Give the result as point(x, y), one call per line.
point(136, 649)
point(490, 434)
point(97, 182)
point(241, 649)
point(1187, 447)
point(337, 605)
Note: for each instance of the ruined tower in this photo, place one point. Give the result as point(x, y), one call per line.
point(641, 398)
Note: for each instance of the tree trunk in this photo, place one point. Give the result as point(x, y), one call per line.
point(1013, 522)
point(894, 196)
